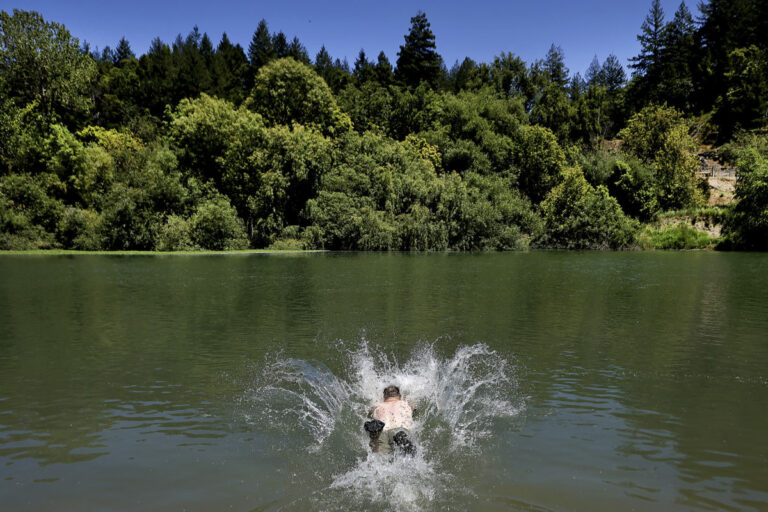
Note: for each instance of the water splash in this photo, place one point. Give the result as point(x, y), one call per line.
point(461, 401)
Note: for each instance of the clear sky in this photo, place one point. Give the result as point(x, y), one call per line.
point(479, 29)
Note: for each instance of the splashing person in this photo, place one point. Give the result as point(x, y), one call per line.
point(390, 427)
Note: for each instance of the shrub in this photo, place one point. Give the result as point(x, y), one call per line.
point(216, 226)
point(680, 236)
point(540, 161)
point(175, 235)
point(130, 221)
point(17, 232)
point(579, 216)
point(81, 230)
point(747, 227)
point(659, 137)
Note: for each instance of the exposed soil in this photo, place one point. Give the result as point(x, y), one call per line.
point(721, 189)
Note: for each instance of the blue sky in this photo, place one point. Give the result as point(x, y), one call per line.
point(479, 29)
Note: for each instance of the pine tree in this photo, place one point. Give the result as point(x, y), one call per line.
point(383, 69)
point(230, 68)
point(464, 76)
point(595, 73)
point(554, 66)
point(726, 25)
point(280, 45)
point(577, 87)
point(193, 76)
point(206, 49)
point(123, 52)
point(297, 51)
point(651, 44)
point(363, 70)
point(333, 73)
point(260, 51)
point(418, 60)
point(678, 58)
point(323, 62)
point(613, 73)
point(157, 77)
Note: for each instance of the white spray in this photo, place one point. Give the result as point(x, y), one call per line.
point(458, 400)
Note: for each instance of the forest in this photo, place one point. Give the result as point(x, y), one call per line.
point(195, 145)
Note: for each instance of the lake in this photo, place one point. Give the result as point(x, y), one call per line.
point(547, 381)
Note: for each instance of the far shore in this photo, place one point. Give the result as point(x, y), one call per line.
point(56, 252)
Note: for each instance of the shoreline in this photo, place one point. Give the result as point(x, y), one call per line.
point(247, 252)
point(73, 252)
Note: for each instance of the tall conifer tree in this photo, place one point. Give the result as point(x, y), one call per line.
point(297, 51)
point(363, 70)
point(123, 51)
point(651, 43)
point(613, 74)
point(383, 69)
point(595, 73)
point(260, 51)
point(230, 68)
point(418, 60)
point(554, 66)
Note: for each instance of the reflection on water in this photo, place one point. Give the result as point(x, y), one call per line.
point(546, 381)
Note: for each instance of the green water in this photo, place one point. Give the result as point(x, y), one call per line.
point(637, 381)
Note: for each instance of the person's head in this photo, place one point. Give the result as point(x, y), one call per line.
point(391, 391)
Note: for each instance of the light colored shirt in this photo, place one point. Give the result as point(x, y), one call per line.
point(394, 414)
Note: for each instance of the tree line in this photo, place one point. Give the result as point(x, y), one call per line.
point(196, 146)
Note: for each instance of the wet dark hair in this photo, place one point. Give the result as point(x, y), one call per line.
point(391, 391)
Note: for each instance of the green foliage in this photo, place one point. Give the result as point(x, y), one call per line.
point(377, 186)
point(370, 106)
point(632, 184)
point(229, 71)
point(659, 136)
point(629, 181)
point(204, 129)
point(22, 132)
point(680, 236)
point(81, 230)
point(745, 104)
point(553, 110)
point(385, 195)
point(747, 228)
point(28, 215)
point(286, 91)
point(41, 62)
point(414, 111)
point(371, 159)
point(87, 171)
point(474, 132)
point(291, 164)
point(214, 226)
point(175, 235)
point(129, 220)
point(540, 161)
point(580, 216)
point(31, 198)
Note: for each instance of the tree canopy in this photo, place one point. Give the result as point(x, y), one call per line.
point(197, 145)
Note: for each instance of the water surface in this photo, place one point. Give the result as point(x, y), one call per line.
point(545, 381)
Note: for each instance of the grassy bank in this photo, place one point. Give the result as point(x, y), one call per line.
point(58, 252)
point(680, 236)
